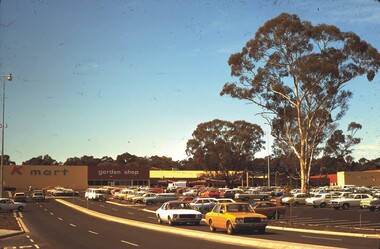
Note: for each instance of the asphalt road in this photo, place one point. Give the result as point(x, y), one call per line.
point(53, 225)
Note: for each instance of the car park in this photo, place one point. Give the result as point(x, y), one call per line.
point(320, 200)
point(178, 212)
point(19, 197)
point(234, 217)
point(38, 195)
point(8, 204)
point(353, 200)
point(160, 198)
point(269, 209)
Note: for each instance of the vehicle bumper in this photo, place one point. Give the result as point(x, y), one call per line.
point(187, 220)
point(248, 226)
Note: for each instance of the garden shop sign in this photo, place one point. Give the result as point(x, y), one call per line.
point(118, 173)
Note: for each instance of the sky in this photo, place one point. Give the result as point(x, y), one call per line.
point(101, 78)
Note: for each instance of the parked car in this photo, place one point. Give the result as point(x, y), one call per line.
point(295, 199)
point(212, 193)
point(139, 198)
point(187, 199)
point(191, 192)
point(19, 197)
point(222, 200)
point(8, 204)
point(95, 194)
point(38, 195)
point(176, 212)
point(353, 200)
point(230, 193)
point(371, 204)
point(203, 205)
point(320, 200)
point(269, 209)
point(252, 195)
point(160, 198)
point(235, 216)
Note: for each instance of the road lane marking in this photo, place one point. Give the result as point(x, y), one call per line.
point(102, 206)
point(51, 213)
point(131, 213)
point(45, 209)
point(73, 225)
point(114, 209)
point(324, 238)
point(36, 246)
point(59, 218)
point(92, 232)
point(129, 243)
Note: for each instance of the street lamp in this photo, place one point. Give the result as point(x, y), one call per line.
point(9, 78)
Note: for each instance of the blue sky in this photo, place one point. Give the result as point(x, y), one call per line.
point(101, 78)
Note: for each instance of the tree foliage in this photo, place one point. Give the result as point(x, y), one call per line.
point(41, 160)
point(225, 147)
point(297, 72)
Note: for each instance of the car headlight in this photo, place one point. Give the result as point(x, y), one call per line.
point(239, 220)
point(198, 216)
point(264, 220)
point(175, 216)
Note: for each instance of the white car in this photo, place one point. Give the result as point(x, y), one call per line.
point(295, 199)
point(10, 205)
point(175, 212)
point(353, 200)
point(320, 200)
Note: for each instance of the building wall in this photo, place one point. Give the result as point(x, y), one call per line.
point(40, 176)
point(358, 178)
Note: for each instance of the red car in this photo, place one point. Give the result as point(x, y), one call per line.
point(210, 194)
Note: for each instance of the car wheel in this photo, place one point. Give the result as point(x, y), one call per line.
point(211, 226)
point(159, 221)
point(372, 208)
point(245, 199)
point(230, 228)
point(336, 208)
point(345, 206)
point(20, 208)
point(149, 203)
point(170, 222)
point(322, 205)
point(315, 206)
point(295, 204)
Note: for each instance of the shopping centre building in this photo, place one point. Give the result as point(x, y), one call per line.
point(22, 177)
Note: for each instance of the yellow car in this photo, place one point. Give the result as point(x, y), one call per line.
point(235, 216)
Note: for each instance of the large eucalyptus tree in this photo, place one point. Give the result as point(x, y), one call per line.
point(297, 72)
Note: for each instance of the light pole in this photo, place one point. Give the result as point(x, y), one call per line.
point(9, 78)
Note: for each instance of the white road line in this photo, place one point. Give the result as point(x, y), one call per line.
point(21, 247)
point(114, 209)
point(31, 240)
point(59, 218)
point(73, 225)
point(45, 209)
point(102, 206)
point(324, 238)
point(131, 213)
point(92, 232)
point(51, 213)
point(129, 243)
point(36, 246)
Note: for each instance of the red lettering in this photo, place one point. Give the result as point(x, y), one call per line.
point(16, 169)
